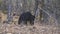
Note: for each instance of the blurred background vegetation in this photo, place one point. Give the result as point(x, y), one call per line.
point(42, 9)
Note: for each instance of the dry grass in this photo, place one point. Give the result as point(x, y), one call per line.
point(3, 17)
point(37, 28)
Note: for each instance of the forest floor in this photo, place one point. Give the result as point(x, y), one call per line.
point(29, 29)
point(35, 29)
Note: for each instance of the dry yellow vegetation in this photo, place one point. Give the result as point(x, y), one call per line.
point(3, 16)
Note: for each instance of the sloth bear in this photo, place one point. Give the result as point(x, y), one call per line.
point(26, 16)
